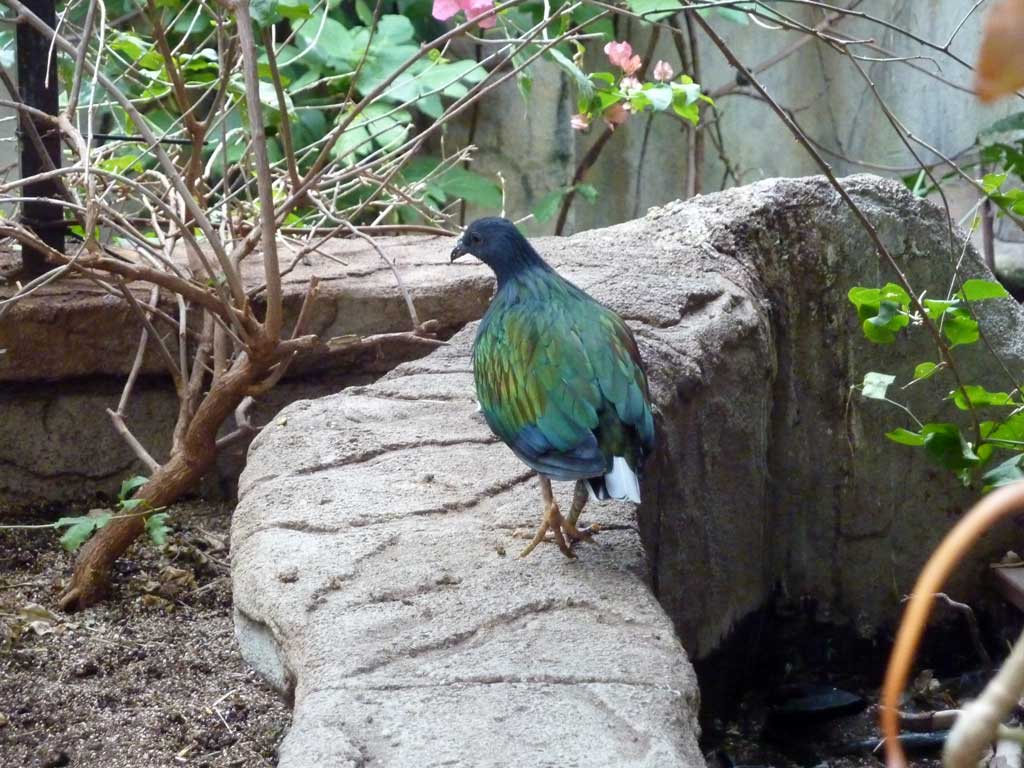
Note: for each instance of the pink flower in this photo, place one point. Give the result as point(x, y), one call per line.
point(445, 9)
point(630, 85)
point(618, 53)
point(616, 114)
point(580, 122)
point(621, 55)
point(632, 65)
point(663, 71)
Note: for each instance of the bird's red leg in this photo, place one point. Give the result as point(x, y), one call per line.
point(553, 521)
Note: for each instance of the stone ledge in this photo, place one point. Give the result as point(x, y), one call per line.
point(73, 329)
point(374, 533)
point(376, 583)
point(70, 346)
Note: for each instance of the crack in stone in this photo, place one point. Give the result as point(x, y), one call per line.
point(405, 595)
point(461, 638)
point(448, 508)
point(270, 627)
point(412, 398)
point(485, 680)
point(361, 458)
point(337, 582)
point(403, 372)
point(374, 453)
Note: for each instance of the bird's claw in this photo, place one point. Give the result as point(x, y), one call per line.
point(563, 533)
point(554, 522)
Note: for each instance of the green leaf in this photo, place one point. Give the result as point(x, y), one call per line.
point(458, 182)
point(638, 102)
point(130, 485)
point(905, 437)
point(588, 192)
point(132, 505)
point(868, 300)
point(978, 290)
point(686, 96)
point(79, 529)
point(883, 327)
point(979, 396)
point(264, 12)
point(332, 47)
point(1014, 122)
point(387, 125)
point(138, 51)
point(156, 527)
point(295, 10)
point(944, 444)
point(690, 112)
point(1008, 472)
point(991, 182)
point(353, 144)
point(364, 12)
point(1009, 432)
point(925, 370)
point(876, 384)
point(654, 10)
point(584, 87)
point(394, 29)
point(548, 205)
point(959, 327)
point(936, 308)
point(660, 96)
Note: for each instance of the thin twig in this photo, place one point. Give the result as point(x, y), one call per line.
point(140, 452)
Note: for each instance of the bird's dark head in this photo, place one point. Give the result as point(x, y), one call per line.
point(499, 245)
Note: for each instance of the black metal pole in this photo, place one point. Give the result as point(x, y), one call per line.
point(40, 91)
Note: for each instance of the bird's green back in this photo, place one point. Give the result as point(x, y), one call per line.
point(559, 378)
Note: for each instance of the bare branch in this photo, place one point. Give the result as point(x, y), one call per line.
point(141, 453)
point(268, 225)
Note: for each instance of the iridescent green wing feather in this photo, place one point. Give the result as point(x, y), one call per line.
point(560, 381)
point(537, 389)
point(615, 358)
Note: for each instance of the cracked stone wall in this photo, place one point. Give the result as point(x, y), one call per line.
point(374, 537)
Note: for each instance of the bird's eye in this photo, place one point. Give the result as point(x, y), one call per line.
point(475, 239)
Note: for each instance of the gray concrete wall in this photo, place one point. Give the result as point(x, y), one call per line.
point(828, 96)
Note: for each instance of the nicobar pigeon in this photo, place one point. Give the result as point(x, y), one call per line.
point(559, 379)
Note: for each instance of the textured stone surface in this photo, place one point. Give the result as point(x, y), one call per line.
point(74, 329)
point(69, 347)
point(376, 582)
point(374, 573)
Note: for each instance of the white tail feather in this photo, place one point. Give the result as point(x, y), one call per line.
point(621, 482)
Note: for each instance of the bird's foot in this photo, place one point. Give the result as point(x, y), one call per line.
point(584, 533)
point(559, 527)
point(572, 535)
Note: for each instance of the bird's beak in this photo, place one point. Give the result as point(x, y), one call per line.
point(458, 250)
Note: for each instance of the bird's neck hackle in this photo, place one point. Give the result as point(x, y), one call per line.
point(521, 261)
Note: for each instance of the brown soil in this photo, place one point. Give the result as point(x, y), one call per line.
point(152, 677)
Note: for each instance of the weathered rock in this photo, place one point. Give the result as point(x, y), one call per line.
point(376, 582)
point(373, 569)
point(69, 347)
point(75, 329)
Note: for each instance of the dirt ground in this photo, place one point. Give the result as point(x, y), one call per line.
point(150, 678)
